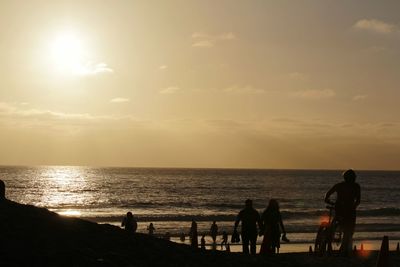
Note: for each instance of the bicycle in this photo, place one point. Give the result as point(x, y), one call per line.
point(328, 232)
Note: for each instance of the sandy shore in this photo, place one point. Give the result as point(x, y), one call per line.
point(31, 236)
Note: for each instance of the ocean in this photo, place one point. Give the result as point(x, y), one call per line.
point(171, 198)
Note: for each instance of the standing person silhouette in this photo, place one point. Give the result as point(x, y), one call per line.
point(347, 200)
point(214, 231)
point(272, 224)
point(249, 218)
point(193, 235)
point(129, 222)
point(151, 229)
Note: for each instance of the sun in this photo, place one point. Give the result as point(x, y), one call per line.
point(68, 53)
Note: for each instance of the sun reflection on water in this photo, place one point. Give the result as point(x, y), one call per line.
point(73, 213)
point(63, 188)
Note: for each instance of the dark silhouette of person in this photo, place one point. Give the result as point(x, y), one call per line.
point(2, 191)
point(272, 225)
point(193, 235)
point(151, 229)
point(224, 239)
point(203, 242)
point(129, 222)
point(214, 231)
point(249, 218)
point(182, 237)
point(348, 197)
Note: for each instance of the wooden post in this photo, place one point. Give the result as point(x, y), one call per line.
point(383, 257)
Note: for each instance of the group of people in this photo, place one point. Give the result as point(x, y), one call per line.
point(129, 223)
point(270, 225)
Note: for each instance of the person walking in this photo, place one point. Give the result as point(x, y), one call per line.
point(249, 218)
point(214, 231)
point(272, 226)
point(193, 235)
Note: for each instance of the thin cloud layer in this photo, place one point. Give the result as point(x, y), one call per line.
point(205, 40)
point(375, 25)
point(120, 100)
point(314, 94)
point(94, 69)
point(170, 90)
point(359, 97)
point(240, 90)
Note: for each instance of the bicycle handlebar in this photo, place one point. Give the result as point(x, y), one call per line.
point(330, 207)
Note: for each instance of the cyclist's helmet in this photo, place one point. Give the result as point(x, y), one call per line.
point(349, 176)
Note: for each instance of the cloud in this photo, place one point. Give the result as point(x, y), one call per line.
point(94, 69)
point(205, 40)
point(248, 90)
point(359, 97)
point(204, 43)
point(120, 100)
point(227, 36)
point(298, 76)
point(170, 90)
point(314, 94)
point(375, 25)
point(10, 110)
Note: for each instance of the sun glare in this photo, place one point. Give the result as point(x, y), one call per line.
point(68, 53)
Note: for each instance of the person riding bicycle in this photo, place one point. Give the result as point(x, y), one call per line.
point(347, 200)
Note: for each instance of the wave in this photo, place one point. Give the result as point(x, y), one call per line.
point(94, 214)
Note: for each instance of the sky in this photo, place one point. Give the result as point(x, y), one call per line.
point(218, 84)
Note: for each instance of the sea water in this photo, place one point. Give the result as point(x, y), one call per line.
point(171, 198)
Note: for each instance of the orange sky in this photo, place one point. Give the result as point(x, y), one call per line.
point(260, 84)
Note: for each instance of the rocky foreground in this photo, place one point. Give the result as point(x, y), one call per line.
point(31, 236)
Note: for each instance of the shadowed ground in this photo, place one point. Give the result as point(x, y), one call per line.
point(31, 236)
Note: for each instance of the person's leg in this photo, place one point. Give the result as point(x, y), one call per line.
point(245, 244)
point(253, 244)
point(347, 241)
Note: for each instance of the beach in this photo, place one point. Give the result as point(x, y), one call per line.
point(171, 197)
point(32, 236)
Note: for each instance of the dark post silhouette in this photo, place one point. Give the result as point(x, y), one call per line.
point(383, 257)
point(249, 218)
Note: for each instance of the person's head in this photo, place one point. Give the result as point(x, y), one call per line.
point(214, 222)
point(248, 203)
point(129, 214)
point(151, 224)
point(349, 176)
point(273, 204)
point(2, 190)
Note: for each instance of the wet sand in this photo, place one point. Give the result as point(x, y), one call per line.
point(31, 236)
